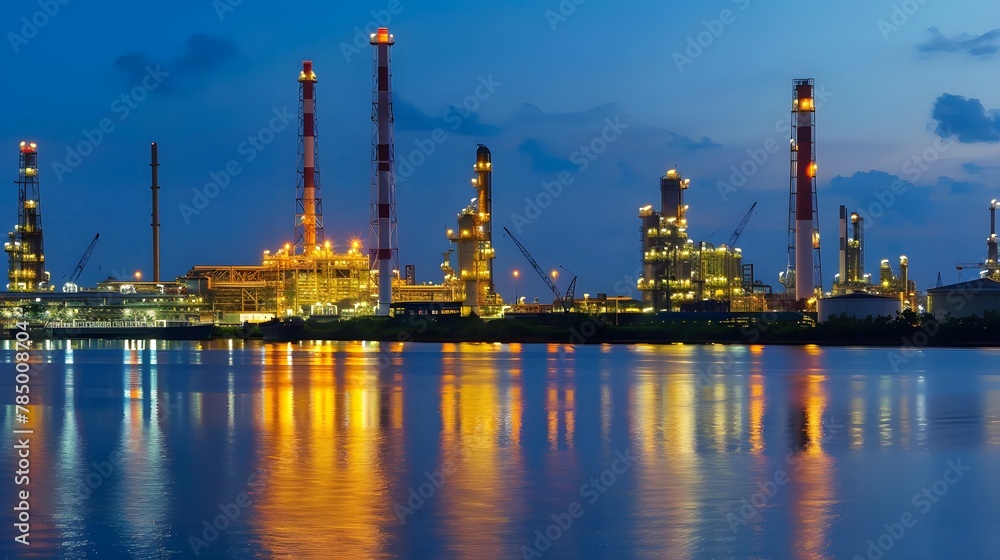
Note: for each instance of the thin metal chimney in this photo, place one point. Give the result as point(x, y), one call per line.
point(155, 187)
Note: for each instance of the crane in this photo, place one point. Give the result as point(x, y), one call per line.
point(70, 286)
point(743, 224)
point(567, 302)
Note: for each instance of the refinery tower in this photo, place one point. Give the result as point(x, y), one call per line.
point(26, 268)
point(677, 273)
point(474, 238)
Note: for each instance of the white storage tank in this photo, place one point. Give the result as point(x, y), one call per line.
point(858, 306)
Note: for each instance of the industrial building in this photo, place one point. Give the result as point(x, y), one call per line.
point(25, 250)
point(965, 299)
point(307, 277)
point(315, 276)
point(852, 277)
point(677, 273)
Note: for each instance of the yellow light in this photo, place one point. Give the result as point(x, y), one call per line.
point(288, 246)
point(516, 274)
point(138, 275)
point(806, 104)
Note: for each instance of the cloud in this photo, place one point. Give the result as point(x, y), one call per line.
point(972, 168)
point(202, 54)
point(979, 46)
point(965, 118)
point(676, 141)
point(455, 119)
point(894, 201)
point(543, 160)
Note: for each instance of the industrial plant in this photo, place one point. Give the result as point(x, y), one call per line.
point(681, 275)
point(315, 275)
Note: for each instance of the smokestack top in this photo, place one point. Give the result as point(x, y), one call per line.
point(307, 74)
point(382, 37)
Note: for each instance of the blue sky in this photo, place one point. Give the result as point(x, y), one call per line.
point(903, 80)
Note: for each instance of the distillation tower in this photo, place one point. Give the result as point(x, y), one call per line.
point(26, 268)
point(851, 276)
point(474, 238)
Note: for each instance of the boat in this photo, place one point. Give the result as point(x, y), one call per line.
point(290, 329)
point(159, 330)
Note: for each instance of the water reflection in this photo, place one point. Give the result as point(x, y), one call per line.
point(328, 439)
point(320, 454)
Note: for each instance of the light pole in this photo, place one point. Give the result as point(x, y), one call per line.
point(516, 274)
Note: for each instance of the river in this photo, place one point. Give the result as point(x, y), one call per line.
point(240, 449)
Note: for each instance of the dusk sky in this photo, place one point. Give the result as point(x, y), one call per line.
point(901, 80)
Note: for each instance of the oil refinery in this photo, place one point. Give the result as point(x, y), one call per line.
point(315, 275)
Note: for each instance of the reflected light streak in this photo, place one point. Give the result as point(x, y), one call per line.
point(812, 506)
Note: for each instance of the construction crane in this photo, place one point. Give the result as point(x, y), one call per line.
point(743, 224)
point(70, 286)
point(986, 268)
point(567, 302)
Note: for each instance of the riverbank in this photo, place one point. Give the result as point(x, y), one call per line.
point(906, 331)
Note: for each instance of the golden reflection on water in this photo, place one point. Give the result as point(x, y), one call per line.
point(813, 493)
point(669, 473)
point(480, 448)
point(320, 463)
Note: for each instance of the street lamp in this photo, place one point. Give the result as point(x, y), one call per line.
point(516, 274)
point(138, 276)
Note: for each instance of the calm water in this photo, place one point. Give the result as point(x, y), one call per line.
point(351, 450)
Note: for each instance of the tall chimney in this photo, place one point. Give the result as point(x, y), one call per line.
point(155, 187)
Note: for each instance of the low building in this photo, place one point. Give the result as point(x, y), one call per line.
point(975, 297)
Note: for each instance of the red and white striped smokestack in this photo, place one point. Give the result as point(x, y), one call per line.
point(307, 79)
point(384, 248)
point(803, 123)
